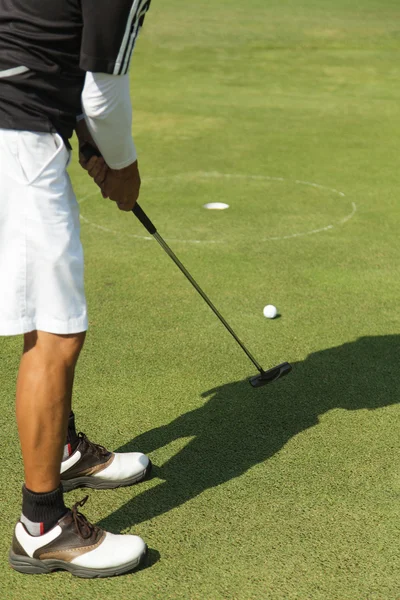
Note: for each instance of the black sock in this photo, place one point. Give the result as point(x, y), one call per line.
point(40, 512)
point(72, 437)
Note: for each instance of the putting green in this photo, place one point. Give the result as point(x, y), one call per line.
point(288, 112)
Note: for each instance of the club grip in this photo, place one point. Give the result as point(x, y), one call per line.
point(88, 151)
point(144, 219)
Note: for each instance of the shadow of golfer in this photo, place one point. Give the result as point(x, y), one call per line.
point(239, 427)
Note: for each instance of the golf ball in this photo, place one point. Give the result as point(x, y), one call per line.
point(270, 311)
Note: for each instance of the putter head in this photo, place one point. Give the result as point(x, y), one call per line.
point(270, 375)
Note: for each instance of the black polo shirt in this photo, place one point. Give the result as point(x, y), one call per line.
point(46, 46)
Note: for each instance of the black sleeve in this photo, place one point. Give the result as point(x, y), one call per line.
point(110, 29)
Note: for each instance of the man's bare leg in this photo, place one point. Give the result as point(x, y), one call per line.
point(43, 404)
point(42, 536)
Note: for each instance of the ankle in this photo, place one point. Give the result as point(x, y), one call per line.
point(72, 440)
point(41, 511)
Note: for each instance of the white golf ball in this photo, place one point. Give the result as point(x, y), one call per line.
point(270, 311)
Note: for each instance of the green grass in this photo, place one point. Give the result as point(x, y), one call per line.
point(291, 491)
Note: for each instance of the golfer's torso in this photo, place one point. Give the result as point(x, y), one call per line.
point(40, 78)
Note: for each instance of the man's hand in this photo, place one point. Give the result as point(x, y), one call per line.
point(97, 169)
point(122, 186)
point(96, 166)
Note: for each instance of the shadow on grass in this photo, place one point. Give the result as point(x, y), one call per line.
point(239, 427)
point(153, 556)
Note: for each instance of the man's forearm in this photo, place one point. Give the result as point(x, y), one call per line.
point(83, 134)
point(108, 117)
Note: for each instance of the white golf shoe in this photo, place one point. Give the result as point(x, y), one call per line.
point(77, 546)
point(92, 466)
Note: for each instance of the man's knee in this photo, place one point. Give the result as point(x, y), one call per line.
point(55, 347)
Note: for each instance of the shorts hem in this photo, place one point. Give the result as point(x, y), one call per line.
point(49, 326)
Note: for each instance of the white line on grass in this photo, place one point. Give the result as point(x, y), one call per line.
point(217, 175)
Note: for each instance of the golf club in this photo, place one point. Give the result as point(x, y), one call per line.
point(264, 377)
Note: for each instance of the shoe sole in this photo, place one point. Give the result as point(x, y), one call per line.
point(35, 566)
point(104, 484)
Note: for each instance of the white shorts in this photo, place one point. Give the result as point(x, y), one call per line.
point(41, 257)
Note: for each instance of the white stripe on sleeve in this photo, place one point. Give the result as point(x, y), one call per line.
point(128, 54)
point(135, 20)
point(126, 38)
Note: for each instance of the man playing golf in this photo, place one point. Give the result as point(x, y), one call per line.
point(63, 67)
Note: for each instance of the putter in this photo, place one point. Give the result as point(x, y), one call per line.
point(264, 377)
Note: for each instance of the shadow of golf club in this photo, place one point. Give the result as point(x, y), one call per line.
point(239, 427)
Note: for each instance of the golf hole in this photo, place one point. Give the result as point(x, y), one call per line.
point(216, 206)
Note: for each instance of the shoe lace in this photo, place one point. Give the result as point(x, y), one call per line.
point(83, 526)
point(98, 450)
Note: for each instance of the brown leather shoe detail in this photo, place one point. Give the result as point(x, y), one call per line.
point(17, 548)
point(69, 554)
point(78, 537)
point(97, 468)
point(94, 458)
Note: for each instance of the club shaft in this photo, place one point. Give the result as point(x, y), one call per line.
point(88, 151)
point(188, 276)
